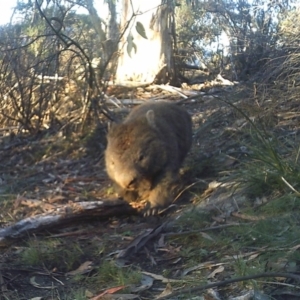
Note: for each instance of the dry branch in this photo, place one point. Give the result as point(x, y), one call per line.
point(140, 241)
point(64, 215)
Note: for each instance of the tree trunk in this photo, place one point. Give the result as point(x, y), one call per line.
point(149, 59)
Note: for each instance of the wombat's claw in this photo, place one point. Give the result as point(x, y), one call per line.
point(151, 211)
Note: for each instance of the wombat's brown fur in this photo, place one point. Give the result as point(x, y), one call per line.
point(146, 150)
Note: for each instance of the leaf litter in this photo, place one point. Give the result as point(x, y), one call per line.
point(49, 182)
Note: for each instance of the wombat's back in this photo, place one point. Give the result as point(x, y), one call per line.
point(173, 123)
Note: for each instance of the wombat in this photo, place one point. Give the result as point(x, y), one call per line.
point(145, 151)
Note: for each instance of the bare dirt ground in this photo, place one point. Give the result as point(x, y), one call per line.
point(40, 174)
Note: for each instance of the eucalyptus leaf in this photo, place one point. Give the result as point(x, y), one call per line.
point(141, 30)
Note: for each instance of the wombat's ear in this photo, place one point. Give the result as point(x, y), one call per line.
point(150, 117)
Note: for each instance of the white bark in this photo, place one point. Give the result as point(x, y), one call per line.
point(153, 55)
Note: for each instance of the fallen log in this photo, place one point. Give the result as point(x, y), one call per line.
point(63, 215)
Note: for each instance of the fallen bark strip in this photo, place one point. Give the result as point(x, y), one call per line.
point(65, 214)
point(198, 289)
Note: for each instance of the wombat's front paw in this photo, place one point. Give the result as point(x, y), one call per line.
point(152, 211)
point(155, 210)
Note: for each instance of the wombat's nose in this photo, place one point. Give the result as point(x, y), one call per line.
point(131, 184)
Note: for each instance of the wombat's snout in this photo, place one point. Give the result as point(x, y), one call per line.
point(128, 181)
point(131, 184)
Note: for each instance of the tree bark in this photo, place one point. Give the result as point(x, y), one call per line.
point(152, 58)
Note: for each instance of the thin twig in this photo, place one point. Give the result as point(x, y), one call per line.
point(170, 234)
point(186, 188)
point(247, 217)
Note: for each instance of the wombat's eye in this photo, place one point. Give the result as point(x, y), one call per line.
point(141, 157)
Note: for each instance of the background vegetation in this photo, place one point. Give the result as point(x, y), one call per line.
point(58, 62)
point(55, 62)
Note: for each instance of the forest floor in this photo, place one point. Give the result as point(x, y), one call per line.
point(232, 234)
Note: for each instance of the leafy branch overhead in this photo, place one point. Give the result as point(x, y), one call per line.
point(130, 43)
